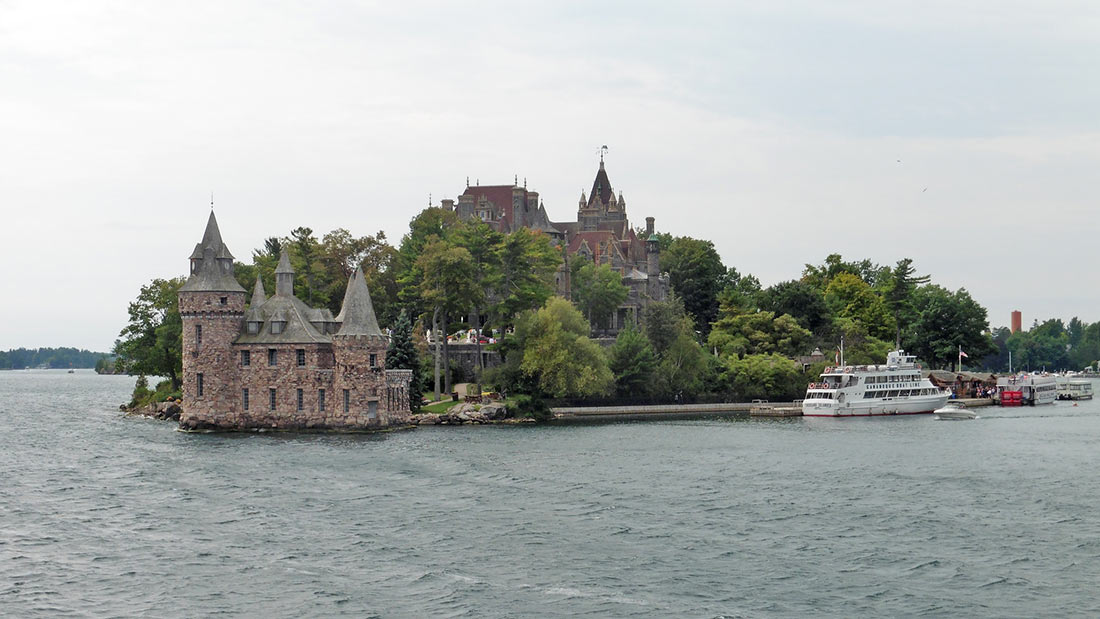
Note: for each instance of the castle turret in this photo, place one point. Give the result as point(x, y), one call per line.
point(284, 277)
point(359, 347)
point(653, 264)
point(211, 305)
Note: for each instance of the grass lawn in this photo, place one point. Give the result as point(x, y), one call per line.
point(439, 407)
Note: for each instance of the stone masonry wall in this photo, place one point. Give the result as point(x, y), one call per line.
point(212, 357)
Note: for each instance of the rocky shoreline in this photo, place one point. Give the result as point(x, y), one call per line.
point(461, 414)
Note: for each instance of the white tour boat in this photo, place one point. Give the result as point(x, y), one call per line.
point(896, 388)
point(1027, 389)
point(1074, 388)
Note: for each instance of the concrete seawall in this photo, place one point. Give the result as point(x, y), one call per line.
point(689, 411)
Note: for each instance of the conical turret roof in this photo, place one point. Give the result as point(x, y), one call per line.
point(259, 295)
point(284, 264)
point(357, 314)
point(213, 268)
point(601, 187)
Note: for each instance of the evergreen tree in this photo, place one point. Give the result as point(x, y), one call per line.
point(632, 362)
point(402, 355)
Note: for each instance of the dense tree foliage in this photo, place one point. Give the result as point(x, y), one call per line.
point(697, 276)
point(632, 362)
point(151, 342)
point(19, 358)
point(403, 355)
point(597, 290)
point(552, 355)
point(796, 299)
point(944, 322)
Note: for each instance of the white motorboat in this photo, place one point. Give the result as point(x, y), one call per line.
point(955, 410)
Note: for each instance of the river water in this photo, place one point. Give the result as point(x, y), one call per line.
point(102, 515)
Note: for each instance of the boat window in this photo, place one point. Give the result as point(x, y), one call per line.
point(892, 394)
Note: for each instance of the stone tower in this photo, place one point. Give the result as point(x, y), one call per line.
point(359, 349)
point(211, 305)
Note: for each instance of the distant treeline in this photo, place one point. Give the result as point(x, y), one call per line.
point(20, 358)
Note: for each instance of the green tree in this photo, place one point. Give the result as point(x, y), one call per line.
point(447, 283)
point(819, 276)
point(661, 321)
point(483, 244)
point(682, 370)
point(758, 333)
point(944, 322)
point(764, 376)
point(798, 299)
point(527, 264)
point(899, 287)
point(848, 296)
point(403, 355)
point(632, 361)
point(151, 342)
point(556, 355)
point(697, 276)
point(598, 291)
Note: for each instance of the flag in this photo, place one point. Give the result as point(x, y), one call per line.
point(962, 354)
point(836, 357)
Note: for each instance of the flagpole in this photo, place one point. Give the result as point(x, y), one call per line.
point(960, 358)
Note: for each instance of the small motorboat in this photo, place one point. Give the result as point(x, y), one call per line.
point(954, 410)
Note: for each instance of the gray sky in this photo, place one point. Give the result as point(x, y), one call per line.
point(774, 129)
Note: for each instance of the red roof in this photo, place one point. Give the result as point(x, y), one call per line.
point(499, 195)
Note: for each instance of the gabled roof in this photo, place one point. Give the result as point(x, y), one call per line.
point(357, 313)
point(289, 309)
point(501, 197)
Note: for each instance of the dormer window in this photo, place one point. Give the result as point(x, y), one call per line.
point(253, 327)
point(278, 326)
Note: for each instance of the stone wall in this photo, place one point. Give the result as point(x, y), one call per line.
point(212, 357)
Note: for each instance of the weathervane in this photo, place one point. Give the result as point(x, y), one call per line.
point(602, 151)
point(211, 200)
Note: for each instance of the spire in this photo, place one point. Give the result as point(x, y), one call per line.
point(211, 263)
point(259, 295)
point(601, 188)
point(284, 276)
point(357, 314)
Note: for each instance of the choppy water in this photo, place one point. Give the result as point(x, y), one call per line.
point(106, 516)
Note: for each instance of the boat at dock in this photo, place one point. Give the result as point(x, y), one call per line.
point(1074, 388)
point(897, 388)
point(1026, 390)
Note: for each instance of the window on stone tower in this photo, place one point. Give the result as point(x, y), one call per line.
point(246, 358)
point(244, 398)
point(301, 357)
point(224, 300)
point(271, 397)
point(347, 400)
point(321, 400)
point(198, 337)
point(198, 383)
point(272, 357)
point(301, 399)
point(373, 360)
point(372, 409)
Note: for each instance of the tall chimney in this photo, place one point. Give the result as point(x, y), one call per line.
point(1017, 321)
point(648, 227)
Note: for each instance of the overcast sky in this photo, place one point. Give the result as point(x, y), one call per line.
point(962, 135)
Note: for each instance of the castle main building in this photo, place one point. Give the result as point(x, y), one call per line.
point(280, 364)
